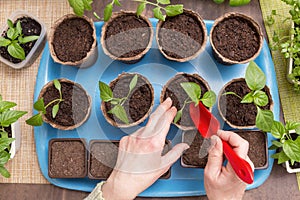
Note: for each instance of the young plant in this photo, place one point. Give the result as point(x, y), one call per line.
point(256, 81)
point(40, 106)
point(118, 110)
point(234, 2)
point(193, 91)
point(289, 147)
point(7, 117)
point(14, 38)
point(79, 6)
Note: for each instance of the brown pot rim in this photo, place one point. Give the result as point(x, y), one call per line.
point(54, 125)
point(228, 61)
point(202, 47)
point(219, 107)
point(196, 76)
point(132, 59)
point(51, 37)
point(114, 123)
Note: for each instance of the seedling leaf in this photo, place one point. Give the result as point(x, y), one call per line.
point(16, 51)
point(133, 83)
point(55, 109)
point(264, 119)
point(106, 93)
point(255, 78)
point(4, 172)
point(173, 10)
point(193, 90)
point(10, 116)
point(120, 113)
point(209, 98)
point(35, 120)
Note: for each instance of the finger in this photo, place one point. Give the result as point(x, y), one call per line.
point(174, 154)
point(163, 126)
point(161, 109)
point(239, 145)
point(215, 158)
point(250, 162)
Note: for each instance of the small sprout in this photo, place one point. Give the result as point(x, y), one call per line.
point(109, 8)
point(79, 6)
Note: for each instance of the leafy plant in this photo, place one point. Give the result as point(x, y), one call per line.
point(193, 91)
point(40, 106)
point(14, 38)
point(289, 147)
point(79, 6)
point(7, 117)
point(234, 2)
point(256, 81)
point(118, 110)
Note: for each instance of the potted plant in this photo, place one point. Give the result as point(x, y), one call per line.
point(235, 38)
point(184, 88)
point(10, 134)
point(63, 104)
point(182, 37)
point(247, 102)
point(67, 158)
point(21, 40)
point(72, 41)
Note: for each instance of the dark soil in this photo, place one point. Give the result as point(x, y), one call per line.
point(257, 147)
point(139, 101)
point(235, 38)
point(197, 154)
point(8, 130)
point(178, 96)
point(181, 36)
point(103, 158)
point(67, 159)
point(237, 113)
point(73, 39)
point(127, 36)
point(29, 27)
point(72, 110)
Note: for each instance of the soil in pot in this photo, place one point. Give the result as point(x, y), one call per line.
point(235, 112)
point(127, 37)
point(73, 110)
point(197, 154)
point(29, 27)
point(67, 158)
point(73, 39)
point(182, 36)
point(174, 90)
point(139, 103)
point(258, 150)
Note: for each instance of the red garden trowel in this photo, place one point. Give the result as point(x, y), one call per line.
point(208, 125)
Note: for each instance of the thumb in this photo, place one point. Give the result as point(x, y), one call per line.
point(215, 157)
point(174, 154)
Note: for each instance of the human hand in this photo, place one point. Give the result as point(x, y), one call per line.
point(140, 162)
point(220, 181)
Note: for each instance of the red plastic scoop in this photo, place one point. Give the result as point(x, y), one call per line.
point(208, 125)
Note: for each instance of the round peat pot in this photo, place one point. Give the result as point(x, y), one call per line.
point(137, 106)
point(126, 37)
point(72, 41)
point(235, 38)
point(236, 114)
point(174, 90)
point(73, 111)
point(183, 37)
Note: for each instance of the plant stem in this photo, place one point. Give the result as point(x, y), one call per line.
point(151, 3)
point(53, 101)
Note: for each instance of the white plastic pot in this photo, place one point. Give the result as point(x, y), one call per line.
point(16, 133)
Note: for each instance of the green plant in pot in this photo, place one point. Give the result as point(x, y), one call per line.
point(7, 119)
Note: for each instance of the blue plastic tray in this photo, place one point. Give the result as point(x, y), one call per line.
point(183, 181)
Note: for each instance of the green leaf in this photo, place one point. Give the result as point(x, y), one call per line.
point(4, 42)
point(117, 2)
point(35, 120)
point(4, 172)
point(277, 130)
point(164, 2)
point(120, 113)
point(275, 155)
point(133, 83)
point(292, 149)
point(141, 7)
point(57, 85)
point(282, 157)
point(173, 10)
point(87, 4)
point(248, 98)
point(178, 116)
point(96, 15)
point(10, 116)
point(16, 51)
point(273, 147)
point(11, 33)
point(78, 7)
point(255, 78)
point(193, 90)
point(6, 105)
point(10, 23)
point(238, 2)
point(264, 119)
point(55, 109)
point(218, 1)
point(292, 125)
point(3, 134)
point(158, 14)
point(209, 98)
point(19, 27)
point(5, 142)
point(276, 143)
point(4, 157)
point(27, 39)
point(106, 93)
point(108, 12)
point(260, 98)
point(39, 105)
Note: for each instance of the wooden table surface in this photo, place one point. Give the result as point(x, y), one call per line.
point(279, 185)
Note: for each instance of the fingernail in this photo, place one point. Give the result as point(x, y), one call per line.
point(168, 99)
point(213, 141)
point(186, 147)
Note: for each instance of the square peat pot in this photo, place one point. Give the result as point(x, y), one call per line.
point(258, 147)
point(67, 158)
